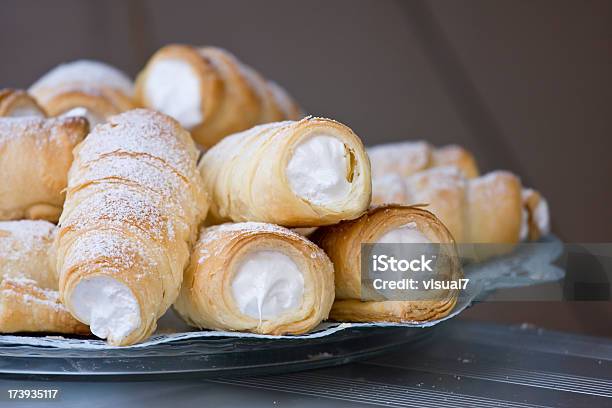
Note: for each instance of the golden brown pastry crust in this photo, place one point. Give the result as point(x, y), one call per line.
point(12, 100)
point(100, 88)
point(110, 102)
point(25, 251)
point(494, 209)
point(233, 96)
point(245, 175)
point(29, 300)
point(206, 299)
point(486, 209)
point(134, 203)
point(407, 158)
point(35, 155)
point(25, 307)
point(342, 243)
point(455, 156)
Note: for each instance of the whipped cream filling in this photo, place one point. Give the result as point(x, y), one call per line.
point(541, 217)
point(267, 284)
point(524, 233)
point(318, 170)
point(173, 88)
point(107, 306)
point(405, 234)
point(93, 118)
point(26, 111)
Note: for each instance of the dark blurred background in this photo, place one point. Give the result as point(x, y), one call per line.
point(525, 85)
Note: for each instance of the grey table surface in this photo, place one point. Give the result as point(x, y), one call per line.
point(463, 364)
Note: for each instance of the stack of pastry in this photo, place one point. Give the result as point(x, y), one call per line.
point(255, 274)
point(132, 197)
point(493, 208)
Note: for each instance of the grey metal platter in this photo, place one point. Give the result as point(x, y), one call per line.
point(208, 357)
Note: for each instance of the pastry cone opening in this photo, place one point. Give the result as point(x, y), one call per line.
point(210, 92)
point(256, 277)
point(390, 224)
point(107, 305)
point(321, 169)
point(267, 284)
point(173, 87)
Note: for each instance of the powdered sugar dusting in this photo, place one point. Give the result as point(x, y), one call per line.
point(147, 172)
point(133, 204)
point(20, 239)
point(140, 132)
point(29, 292)
point(123, 208)
point(404, 158)
point(256, 227)
point(84, 75)
point(441, 177)
point(494, 186)
point(212, 234)
point(389, 188)
point(43, 129)
point(110, 251)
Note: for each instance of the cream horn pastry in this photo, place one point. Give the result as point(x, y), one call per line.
point(297, 174)
point(256, 277)
point(486, 209)
point(387, 224)
point(406, 158)
point(84, 88)
point(536, 216)
point(29, 300)
point(35, 155)
point(18, 103)
point(210, 92)
point(132, 211)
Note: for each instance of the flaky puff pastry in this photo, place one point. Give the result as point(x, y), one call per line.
point(84, 88)
point(25, 251)
point(406, 158)
point(248, 175)
point(26, 307)
point(208, 299)
point(35, 155)
point(342, 243)
point(229, 95)
point(18, 103)
point(29, 300)
point(134, 203)
point(486, 209)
